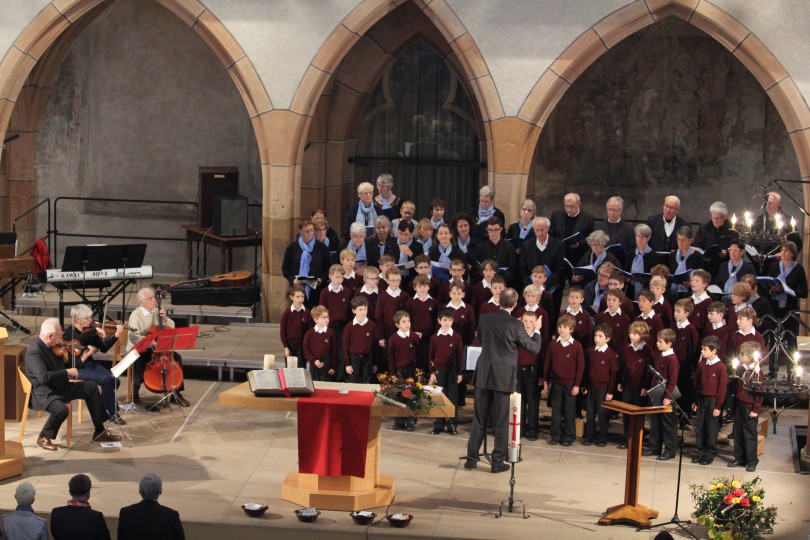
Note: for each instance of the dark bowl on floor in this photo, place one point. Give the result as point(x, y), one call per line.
point(399, 523)
point(307, 518)
point(363, 520)
point(257, 512)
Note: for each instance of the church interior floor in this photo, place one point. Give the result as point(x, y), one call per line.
point(214, 458)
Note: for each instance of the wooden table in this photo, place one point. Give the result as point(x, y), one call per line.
point(11, 452)
point(337, 492)
point(195, 233)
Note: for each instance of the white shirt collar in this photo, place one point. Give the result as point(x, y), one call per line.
point(320, 330)
point(660, 300)
point(332, 289)
point(712, 362)
point(443, 333)
point(367, 290)
point(541, 246)
point(720, 324)
point(698, 299)
point(617, 312)
point(492, 301)
point(350, 276)
point(427, 297)
point(402, 334)
point(294, 309)
point(569, 341)
point(669, 352)
point(751, 332)
point(358, 323)
point(682, 324)
point(531, 309)
point(574, 313)
point(486, 284)
point(145, 311)
point(603, 348)
point(648, 316)
point(640, 346)
point(459, 306)
point(393, 293)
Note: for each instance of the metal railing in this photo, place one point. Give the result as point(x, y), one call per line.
point(30, 210)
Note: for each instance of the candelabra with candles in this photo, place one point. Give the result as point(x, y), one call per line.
point(761, 236)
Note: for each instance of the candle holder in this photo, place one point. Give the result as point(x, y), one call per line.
point(510, 502)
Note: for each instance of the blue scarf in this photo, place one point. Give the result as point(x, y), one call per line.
point(436, 223)
point(638, 260)
point(386, 203)
point(783, 274)
point(426, 244)
point(444, 253)
point(306, 259)
point(732, 277)
point(598, 260)
point(681, 260)
point(403, 258)
point(463, 246)
point(597, 297)
point(524, 232)
point(360, 253)
point(366, 215)
point(484, 215)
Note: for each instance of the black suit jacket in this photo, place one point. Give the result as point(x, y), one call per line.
point(659, 240)
point(501, 335)
point(49, 378)
point(693, 261)
point(79, 523)
point(620, 233)
point(318, 267)
point(373, 250)
point(149, 520)
point(723, 275)
point(553, 257)
point(797, 281)
point(503, 253)
point(513, 234)
point(584, 224)
point(480, 229)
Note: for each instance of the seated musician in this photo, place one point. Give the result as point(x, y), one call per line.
point(140, 322)
point(93, 339)
point(52, 388)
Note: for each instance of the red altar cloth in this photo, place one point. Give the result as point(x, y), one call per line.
point(333, 433)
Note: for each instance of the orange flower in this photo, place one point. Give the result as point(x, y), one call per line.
point(407, 394)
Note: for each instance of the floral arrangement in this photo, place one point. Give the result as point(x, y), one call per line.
point(732, 509)
point(409, 392)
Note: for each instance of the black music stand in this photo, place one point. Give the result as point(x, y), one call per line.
point(90, 259)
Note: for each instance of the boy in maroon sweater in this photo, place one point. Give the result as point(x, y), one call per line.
point(336, 299)
point(358, 343)
point(539, 278)
point(716, 326)
point(480, 291)
point(456, 276)
point(369, 290)
point(446, 354)
point(422, 308)
point(403, 348)
point(463, 315)
point(351, 279)
point(295, 322)
point(686, 348)
point(614, 317)
point(633, 377)
point(698, 282)
point(711, 382)
point(746, 408)
point(528, 377)
point(658, 286)
point(745, 331)
point(601, 368)
point(493, 305)
point(663, 426)
point(389, 301)
point(320, 346)
point(583, 324)
point(617, 281)
point(563, 370)
point(647, 314)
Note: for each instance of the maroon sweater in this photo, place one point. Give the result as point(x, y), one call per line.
point(444, 293)
point(602, 368)
point(687, 343)
point(669, 369)
point(627, 306)
point(423, 314)
point(722, 334)
point(712, 382)
point(744, 397)
point(464, 322)
point(293, 326)
point(634, 366)
point(656, 324)
point(387, 305)
point(488, 307)
point(698, 316)
point(665, 312)
point(354, 284)
point(337, 303)
point(545, 331)
point(372, 302)
point(359, 339)
point(316, 345)
point(480, 294)
point(583, 331)
point(402, 351)
point(618, 323)
point(446, 351)
point(738, 339)
point(566, 364)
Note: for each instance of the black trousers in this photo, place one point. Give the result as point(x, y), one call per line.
point(86, 390)
point(631, 396)
point(745, 435)
point(663, 432)
point(361, 368)
point(529, 399)
point(446, 377)
point(297, 350)
point(563, 427)
point(495, 404)
point(321, 373)
point(708, 427)
point(596, 396)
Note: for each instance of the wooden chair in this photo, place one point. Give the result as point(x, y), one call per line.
point(119, 349)
point(26, 386)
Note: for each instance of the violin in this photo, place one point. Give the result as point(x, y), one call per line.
point(67, 349)
point(109, 328)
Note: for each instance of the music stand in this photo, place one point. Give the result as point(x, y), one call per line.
point(169, 340)
point(119, 369)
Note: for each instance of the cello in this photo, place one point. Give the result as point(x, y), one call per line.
point(162, 374)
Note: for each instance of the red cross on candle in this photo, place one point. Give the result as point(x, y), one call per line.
point(515, 424)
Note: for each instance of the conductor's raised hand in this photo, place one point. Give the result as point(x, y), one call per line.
point(538, 323)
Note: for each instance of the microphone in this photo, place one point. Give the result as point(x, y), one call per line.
point(654, 373)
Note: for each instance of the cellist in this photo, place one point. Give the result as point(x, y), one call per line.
point(141, 321)
point(93, 339)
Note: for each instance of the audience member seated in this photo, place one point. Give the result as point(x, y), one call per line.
point(77, 521)
point(149, 519)
point(23, 523)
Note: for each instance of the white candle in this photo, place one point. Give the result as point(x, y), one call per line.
point(269, 361)
point(735, 363)
point(513, 452)
point(292, 362)
point(792, 224)
point(733, 221)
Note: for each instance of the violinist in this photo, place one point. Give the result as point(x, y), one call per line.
point(52, 388)
point(141, 321)
point(93, 339)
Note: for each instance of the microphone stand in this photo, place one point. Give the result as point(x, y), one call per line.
point(683, 422)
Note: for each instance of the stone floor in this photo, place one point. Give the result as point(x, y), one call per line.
point(214, 458)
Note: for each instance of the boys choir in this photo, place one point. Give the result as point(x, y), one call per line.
point(418, 310)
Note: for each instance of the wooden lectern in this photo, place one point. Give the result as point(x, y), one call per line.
point(11, 452)
point(631, 511)
point(337, 492)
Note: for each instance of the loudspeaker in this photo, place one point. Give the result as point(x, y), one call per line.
point(230, 215)
point(215, 182)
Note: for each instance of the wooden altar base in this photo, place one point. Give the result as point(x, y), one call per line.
point(11, 463)
point(637, 515)
point(308, 491)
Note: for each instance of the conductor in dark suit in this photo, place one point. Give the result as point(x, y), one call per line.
point(495, 377)
point(77, 520)
point(148, 518)
point(570, 220)
point(52, 388)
